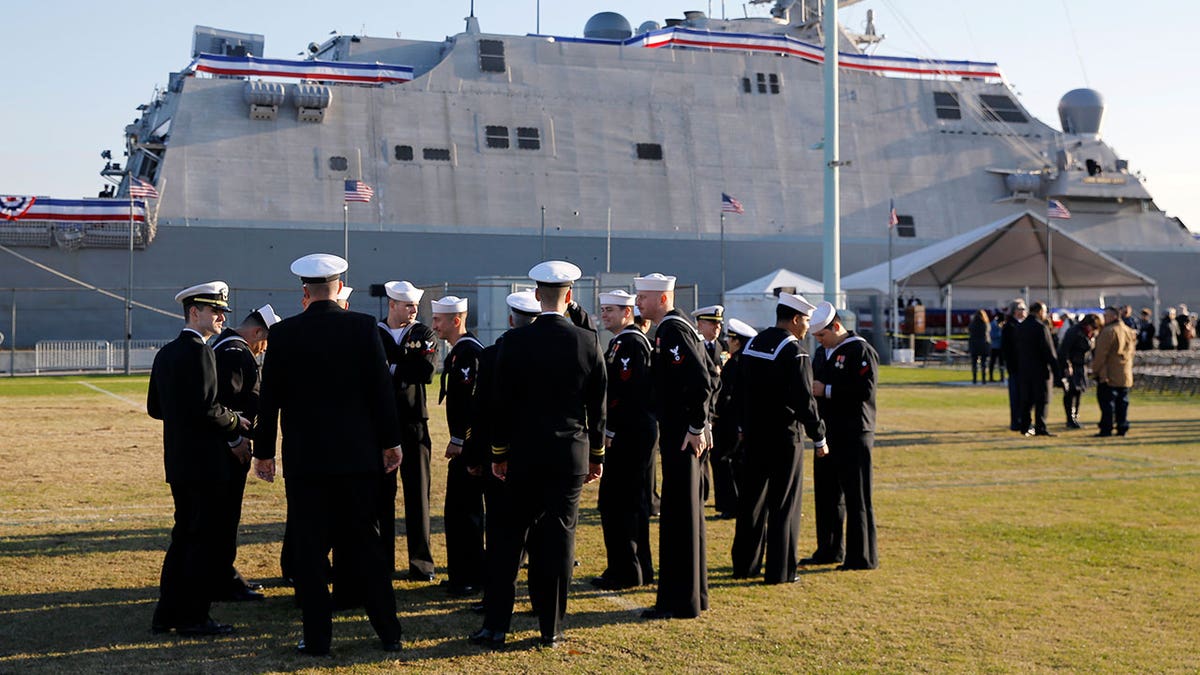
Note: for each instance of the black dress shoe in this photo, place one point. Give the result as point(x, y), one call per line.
point(242, 594)
point(305, 649)
point(253, 585)
point(790, 580)
point(486, 637)
point(550, 641)
point(814, 560)
point(1072, 424)
point(1122, 432)
point(478, 607)
point(392, 646)
point(159, 628)
point(654, 613)
point(608, 584)
point(205, 628)
point(417, 575)
point(462, 591)
point(1043, 432)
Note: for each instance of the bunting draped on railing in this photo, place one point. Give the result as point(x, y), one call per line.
point(329, 71)
point(48, 209)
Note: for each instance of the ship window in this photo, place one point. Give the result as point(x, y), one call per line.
point(496, 136)
point(999, 108)
point(746, 86)
point(762, 83)
point(436, 154)
point(773, 80)
point(529, 138)
point(649, 151)
point(338, 163)
point(491, 56)
point(946, 105)
point(404, 153)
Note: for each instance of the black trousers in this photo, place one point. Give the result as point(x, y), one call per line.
point(829, 510)
point(769, 512)
point(1035, 401)
point(415, 482)
point(852, 459)
point(194, 570)
point(338, 511)
point(624, 505)
point(724, 469)
point(682, 565)
point(235, 490)
point(1014, 402)
point(1114, 408)
point(542, 511)
point(464, 521)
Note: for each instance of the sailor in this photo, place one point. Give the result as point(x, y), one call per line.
point(709, 322)
point(237, 351)
point(411, 349)
point(463, 514)
point(629, 440)
point(726, 413)
point(325, 379)
point(774, 389)
point(199, 436)
point(548, 440)
point(523, 308)
point(684, 381)
point(845, 372)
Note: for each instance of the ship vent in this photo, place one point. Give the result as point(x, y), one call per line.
point(264, 99)
point(312, 100)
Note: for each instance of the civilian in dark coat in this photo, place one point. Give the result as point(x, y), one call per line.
point(1168, 330)
point(1145, 331)
point(980, 345)
point(326, 387)
point(1009, 348)
point(1037, 369)
point(1073, 355)
point(548, 440)
point(199, 437)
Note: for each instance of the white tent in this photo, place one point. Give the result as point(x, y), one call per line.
point(1018, 251)
point(754, 302)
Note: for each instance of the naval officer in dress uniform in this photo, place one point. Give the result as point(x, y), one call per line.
point(463, 515)
point(411, 348)
point(237, 351)
point(548, 440)
point(845, 377)
point(684, 382)
point(710, 321)
point(199, 436)
point(776, 396)
point(629, 440)
point(325, 381)
point(725, 455)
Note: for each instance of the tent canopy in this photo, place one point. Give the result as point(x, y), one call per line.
point(1008, 253)
point(780, 278)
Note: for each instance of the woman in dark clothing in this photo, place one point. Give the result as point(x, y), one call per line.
point(1168, 331)
point(980, 345)
point(997, 356)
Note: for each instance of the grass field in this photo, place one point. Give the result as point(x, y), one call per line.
point(998, 553)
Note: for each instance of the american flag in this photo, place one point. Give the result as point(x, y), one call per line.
point(140, 188)
point(893, 219)
point(1055, 209)
point(730, 205)
point(358, 191)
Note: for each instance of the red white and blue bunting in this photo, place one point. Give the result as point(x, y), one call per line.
point(47, 209)
point(326, 71)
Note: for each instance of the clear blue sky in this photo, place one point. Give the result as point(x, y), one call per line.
point(74, 71)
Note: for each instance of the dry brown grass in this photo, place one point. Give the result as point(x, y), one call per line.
point(998, 553)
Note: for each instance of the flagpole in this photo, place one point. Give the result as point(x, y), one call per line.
point(891, 313)
point(345, 229)
point(1049, 262)
point(608, 244)
point(129, 287)
point(831, 266)
point(722, 253)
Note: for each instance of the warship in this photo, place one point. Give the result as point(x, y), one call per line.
point(487, 153)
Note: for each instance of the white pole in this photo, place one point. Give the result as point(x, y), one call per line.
point(608, 244)
point(129, 288)
point(722, 255)
point(891, 313)
point(831, 259)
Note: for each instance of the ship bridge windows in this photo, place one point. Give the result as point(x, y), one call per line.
point(491, 56)
point(338, 163)
point(436, 154)
point(529, 138)
point(650, 151)
point(496, 137)
point(945, 104)
point(763, 83)
point(404, 153)
point(1000, 108)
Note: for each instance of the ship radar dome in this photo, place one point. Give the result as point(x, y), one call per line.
point(607, 26)
point(648, 27)
point(1081, 111)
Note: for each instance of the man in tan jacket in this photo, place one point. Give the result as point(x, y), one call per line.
point(1112, 364)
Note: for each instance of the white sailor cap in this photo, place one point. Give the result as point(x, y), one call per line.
point(524, 302)
point(318, 268)
point(213, 293)
point(739, 328)
point(710, 313)
point(796, 302)
point(555, 273)
point(268, 315)
point(618, 298)
point(403, 291)
point(821, 317)
point(654, 282)
point(344, 294)
point(451, 304)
